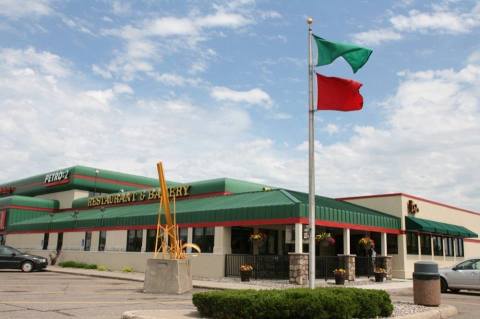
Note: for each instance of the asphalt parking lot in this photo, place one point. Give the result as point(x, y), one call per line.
point(53, 295)
point(467, 302)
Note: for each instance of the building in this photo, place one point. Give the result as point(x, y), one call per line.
point(109, 218)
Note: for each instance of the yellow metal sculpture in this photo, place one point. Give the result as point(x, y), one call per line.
point(167, 240)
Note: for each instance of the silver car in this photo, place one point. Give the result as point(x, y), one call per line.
point(465, 275)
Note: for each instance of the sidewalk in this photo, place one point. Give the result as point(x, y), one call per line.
point(234, 283)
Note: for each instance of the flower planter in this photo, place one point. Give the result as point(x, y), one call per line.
point(245, 275)
point(339, 280)
point(379, 276)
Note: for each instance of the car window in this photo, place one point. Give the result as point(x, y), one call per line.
point(469, 264)
point(5, 251)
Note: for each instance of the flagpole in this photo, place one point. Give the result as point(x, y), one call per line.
point(311, 164)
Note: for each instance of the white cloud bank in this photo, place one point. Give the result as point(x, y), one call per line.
point(428, 144)
point(254, 96)
point(16, 9)
point(441, 19)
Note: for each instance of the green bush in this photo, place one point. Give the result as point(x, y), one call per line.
point(127, 269)
point(76, 264)
point(102, 268)
point(320, 303)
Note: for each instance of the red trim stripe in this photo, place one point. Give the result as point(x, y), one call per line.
point(410, 196)
point(110, 181)
point(38, 209)
point(469, 240)
point(291, 220)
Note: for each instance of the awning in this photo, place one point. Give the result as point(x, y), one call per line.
point(430, 226)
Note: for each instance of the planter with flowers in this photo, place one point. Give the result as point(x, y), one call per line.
point(339, 274)
point(380, 274)
point(325, 239)
point(245, 272)
point(257, 237)
point(366, 243)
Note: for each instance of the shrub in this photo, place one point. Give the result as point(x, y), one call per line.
point(76, 264)
point(320, 303)
point(102, 268)
point(127, 269)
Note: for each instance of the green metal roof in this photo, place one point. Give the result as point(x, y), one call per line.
point(329, 209)
point(251, 206)
point(83, 178)
point(34, 202)
point(430, 226)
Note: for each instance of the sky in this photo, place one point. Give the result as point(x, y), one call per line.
point(219, 89)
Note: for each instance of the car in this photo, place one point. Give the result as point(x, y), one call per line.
point(465, 275)
point(11, 258)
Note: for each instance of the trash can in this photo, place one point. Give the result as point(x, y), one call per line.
point(426, 284)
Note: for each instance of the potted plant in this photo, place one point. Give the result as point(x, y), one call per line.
point(257, 236)
point(245, 272)
point(325, 239)
point(380, 273)
point(366, 243)
point(339, 274)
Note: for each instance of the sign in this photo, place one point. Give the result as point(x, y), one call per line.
point(58, 177)
point(3, 219)
point(412, 208)
point(137, 196)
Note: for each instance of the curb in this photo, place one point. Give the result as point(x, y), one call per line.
point(160, 314)
point(442, 312)
point(106, 276)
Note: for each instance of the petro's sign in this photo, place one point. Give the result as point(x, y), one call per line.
point(137, 196)
point(58, 177)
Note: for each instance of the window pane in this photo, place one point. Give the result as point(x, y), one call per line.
point(102, 240)
point(412, 243)
point(392, 244)
point(449, 247)
point(46, 237)
point(134, 240)
point(88, 241)
point(151, 237)
point(460, 247)
point(438, 246)
point(426, 244)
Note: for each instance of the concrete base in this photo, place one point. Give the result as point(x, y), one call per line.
point(168, 276)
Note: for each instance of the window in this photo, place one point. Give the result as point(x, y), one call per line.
point(183, 235)
point(46, 236)
point(392, 244)
point(2, 239)
point(240, 241)
point(412, 243)
point(134, 239)
point(88, 241)
point(203, 237)
point(472, 264)
point(102, 240)
point(151, 236)
point(460, 252)
point(426, 244)
point(449, 246)
point(437, 246)
point(59, 241)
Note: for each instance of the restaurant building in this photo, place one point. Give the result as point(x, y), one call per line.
point(109, 218)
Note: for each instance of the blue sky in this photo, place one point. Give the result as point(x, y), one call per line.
point(219, 88)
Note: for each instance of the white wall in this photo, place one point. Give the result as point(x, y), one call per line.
point(25, 241)
point(65, 198)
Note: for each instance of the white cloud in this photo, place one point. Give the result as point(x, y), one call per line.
point(121, 7)
point(442, 19)
point(331, 129)
point(253, 96)
point(44, 62)
point(171, 79)
point(15, 9)
point(438, 21)
point(376, 36)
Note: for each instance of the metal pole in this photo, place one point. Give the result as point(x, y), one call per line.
point(311, 163)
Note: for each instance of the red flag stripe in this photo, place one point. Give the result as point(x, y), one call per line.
point(337, 94)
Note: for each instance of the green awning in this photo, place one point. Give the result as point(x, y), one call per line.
point(430, 226)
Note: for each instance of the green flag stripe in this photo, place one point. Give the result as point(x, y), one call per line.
point(354, 55)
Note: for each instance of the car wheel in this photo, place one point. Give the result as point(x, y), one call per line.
point(443, 285)
point(27, 266)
